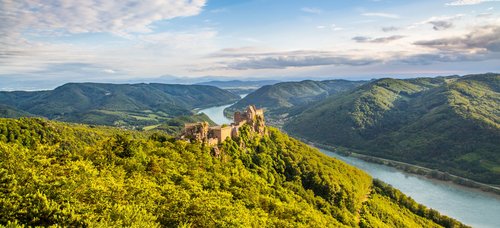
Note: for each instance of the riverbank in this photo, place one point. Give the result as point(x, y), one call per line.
point(407, 167)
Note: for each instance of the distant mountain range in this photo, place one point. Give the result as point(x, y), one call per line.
point(238, 86)
point(447, 123)
point(285, 99)
point(114, 104)
point(18, 82)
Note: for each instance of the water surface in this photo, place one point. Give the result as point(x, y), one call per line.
point(470, 206)
point(216, 113)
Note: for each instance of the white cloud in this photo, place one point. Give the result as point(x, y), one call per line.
point(390, 29)
point(440, 23)
point(113, 16)
point(384, 15)
point(151, 53)
point(311, 10)
point(336, 28)
point(364, 39)
point(482, 39)
point(293, 59)
point(109, 71)
point(28, 26)
point(468, 2)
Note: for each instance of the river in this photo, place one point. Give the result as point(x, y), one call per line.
point(216, 113)
point(470, 206)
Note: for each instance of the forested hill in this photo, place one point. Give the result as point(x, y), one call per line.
point(287, 98)
point(448, 123)
point(73, 175)
point(10, 112)
point(115, 104)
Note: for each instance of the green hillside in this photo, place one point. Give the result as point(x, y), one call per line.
point(451, 124)
point(127, 105)
point(74, 175)
point(10, 112)
point(284, 99)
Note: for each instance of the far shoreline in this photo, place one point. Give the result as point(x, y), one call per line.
point(409, 168)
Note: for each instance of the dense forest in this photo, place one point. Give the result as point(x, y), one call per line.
point(285, 99)
point(64, 174)
point(446, 123)
point(124, 105)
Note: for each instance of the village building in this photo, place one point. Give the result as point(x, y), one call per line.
point(202, 132)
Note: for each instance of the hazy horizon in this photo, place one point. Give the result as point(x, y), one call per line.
point(50, 85)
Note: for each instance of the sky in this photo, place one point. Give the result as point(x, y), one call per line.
point(44, 43)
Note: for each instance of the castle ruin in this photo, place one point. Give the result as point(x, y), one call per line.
point(202, 132)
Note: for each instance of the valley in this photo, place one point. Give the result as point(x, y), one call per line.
point(131, 106)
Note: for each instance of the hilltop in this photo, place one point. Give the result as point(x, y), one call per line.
point(284, 99)
point(129, 105)
point(74, 175)
point(447, 123)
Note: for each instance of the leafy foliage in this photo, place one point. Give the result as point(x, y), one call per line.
point(408, 210)
point(175, 125)
point(73, 175)
point(447, 123)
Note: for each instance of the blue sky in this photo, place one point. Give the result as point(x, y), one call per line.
point(48, 42)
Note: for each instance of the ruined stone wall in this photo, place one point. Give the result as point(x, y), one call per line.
point(224, 133)
point(238, 117)
point(220, 133)
point(259, 112)
point(235, 128)
point(196, 131)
